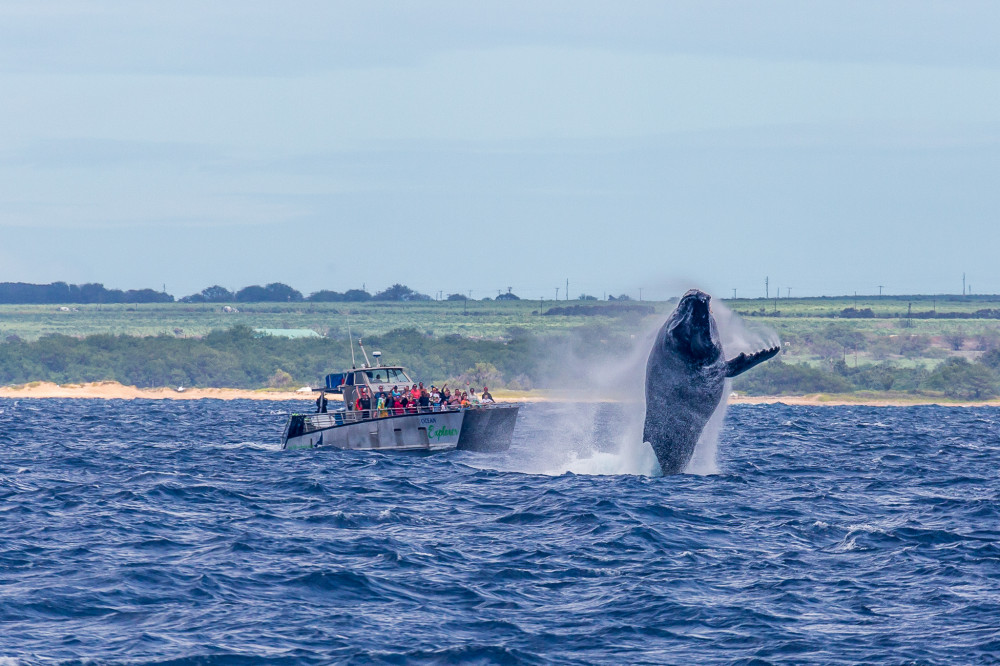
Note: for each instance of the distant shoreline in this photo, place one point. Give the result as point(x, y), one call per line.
point(116, 391)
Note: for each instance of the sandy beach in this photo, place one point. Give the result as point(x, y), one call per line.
point(116, 391)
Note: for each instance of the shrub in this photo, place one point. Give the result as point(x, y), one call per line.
point(957, 378)
point(280, 379)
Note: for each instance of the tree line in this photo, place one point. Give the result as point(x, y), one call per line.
point(954, 377)
point(242, 358)
point(23, 293)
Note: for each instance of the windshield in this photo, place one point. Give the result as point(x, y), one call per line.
point(388, 376)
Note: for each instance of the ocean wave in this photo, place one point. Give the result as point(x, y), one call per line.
point(179, 533)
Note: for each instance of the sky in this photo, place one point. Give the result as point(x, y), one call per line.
point(476, 147)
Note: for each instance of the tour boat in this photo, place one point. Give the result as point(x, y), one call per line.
point(479, 427)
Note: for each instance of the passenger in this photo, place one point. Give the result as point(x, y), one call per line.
point(397, 405)
point(455, 401)
point(486, 397)
point(414, 393)
point(473, 398)
point(435, 396)
point(464, 402)
point(365, 403)
point(424, 402)
point(380, 411)
point(321, 403)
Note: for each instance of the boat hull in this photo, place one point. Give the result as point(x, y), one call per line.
point(488, 429)
point(437, 431)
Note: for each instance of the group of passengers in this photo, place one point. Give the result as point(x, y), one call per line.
point(417, 399)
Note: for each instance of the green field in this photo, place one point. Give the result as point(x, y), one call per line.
point(480, 319)
point(476, 319)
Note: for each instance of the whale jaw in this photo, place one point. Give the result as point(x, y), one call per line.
point(691, 329)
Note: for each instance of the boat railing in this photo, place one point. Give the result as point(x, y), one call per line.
point(323, 420)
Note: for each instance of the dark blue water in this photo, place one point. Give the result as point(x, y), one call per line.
point(176, 532)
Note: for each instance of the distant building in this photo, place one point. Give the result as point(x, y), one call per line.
point(287, 332)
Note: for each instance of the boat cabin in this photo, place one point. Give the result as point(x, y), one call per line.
point(347, 383)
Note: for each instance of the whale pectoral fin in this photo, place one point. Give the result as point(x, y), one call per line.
point(744, 362)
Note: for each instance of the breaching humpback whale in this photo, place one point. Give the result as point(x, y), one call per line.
point(685, 378)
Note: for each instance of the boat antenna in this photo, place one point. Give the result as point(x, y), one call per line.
point(368, 363)
point(350, 338)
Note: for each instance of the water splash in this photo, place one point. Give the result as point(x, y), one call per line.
point(736, 337)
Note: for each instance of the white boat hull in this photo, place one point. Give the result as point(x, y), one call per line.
point(436, 431)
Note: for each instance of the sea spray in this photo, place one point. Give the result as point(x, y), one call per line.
point(602, 434)
point(736, 337)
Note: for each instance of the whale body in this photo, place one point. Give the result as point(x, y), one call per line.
point(685, 378)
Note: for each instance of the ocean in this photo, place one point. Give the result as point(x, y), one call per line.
point(177, 532)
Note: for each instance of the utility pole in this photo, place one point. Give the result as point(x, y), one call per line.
point(789, 291)
point(557, 293)
point(963, 284)
point(767, 295)
point(734, 294)
point(640, 294)
point(567, 289)
point(880, 291)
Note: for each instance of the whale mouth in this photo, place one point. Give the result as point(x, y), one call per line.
point(697, 325)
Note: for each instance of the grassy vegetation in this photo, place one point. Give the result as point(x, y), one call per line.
point(476, 319)
point(822, 349)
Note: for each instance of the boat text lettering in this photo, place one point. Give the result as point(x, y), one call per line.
point(438, 433)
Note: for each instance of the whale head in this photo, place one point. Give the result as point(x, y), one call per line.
point(691, 331)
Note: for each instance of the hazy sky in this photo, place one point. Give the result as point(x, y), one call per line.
point(456, 146)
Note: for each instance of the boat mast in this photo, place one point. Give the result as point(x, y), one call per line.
point(350, 338)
